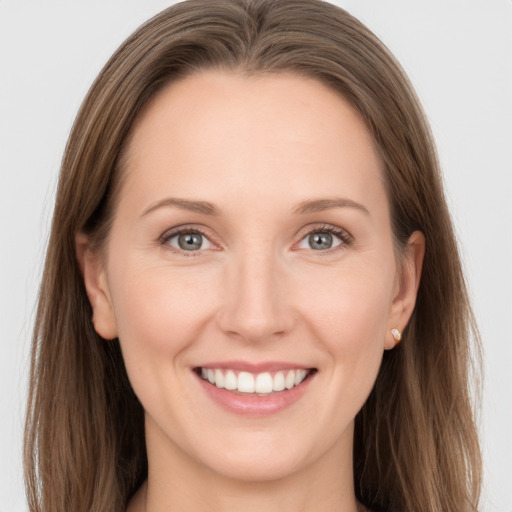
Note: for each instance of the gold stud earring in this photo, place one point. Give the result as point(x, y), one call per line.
point(396, 334)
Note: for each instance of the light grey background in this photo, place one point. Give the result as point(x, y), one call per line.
point(458, 54)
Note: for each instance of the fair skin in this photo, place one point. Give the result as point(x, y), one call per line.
point(272, 281)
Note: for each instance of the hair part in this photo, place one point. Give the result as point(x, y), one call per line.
point(416, 446)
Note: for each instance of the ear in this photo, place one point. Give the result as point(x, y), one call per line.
point(95, 280)
point(406, 288)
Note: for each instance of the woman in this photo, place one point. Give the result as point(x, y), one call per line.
point(252, 290)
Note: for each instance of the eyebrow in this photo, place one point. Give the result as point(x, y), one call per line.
point(303, 208)
point(320, 205)
point(203, 207)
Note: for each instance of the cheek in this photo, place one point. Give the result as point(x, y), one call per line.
point(353, 303)
point(159, 310)
point(349, 314)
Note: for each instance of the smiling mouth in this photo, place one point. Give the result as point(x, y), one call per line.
point(256, 384)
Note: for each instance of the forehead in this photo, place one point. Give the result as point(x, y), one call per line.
point(252, 135)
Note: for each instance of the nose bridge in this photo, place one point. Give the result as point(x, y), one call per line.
point(256, 304)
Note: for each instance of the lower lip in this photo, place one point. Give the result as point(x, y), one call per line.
point(255, 405)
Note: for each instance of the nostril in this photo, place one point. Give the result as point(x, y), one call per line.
point(255, 311)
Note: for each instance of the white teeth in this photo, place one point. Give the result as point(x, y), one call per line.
point(246, 382)
point(299, 376)
point(290, 380)
point(261, 383)
point(219, 379)
point(278, 384)
point(230, 380)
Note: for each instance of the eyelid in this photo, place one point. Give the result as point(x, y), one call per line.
point(345, 237)
point(163, 239)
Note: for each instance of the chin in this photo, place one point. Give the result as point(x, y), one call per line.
point(256, 467)
point(264, 456)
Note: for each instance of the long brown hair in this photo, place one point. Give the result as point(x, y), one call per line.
point(416, 447)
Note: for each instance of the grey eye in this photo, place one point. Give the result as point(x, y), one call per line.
point(320, 240)
point(189, 241)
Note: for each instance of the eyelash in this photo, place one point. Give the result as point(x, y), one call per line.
point(344, 236)
point(164, 239)
point(346, 240)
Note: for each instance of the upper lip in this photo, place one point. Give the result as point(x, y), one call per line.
point(245, 366)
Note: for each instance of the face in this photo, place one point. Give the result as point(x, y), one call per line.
point(250, 273)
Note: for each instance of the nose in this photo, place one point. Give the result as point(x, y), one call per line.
point(256, 303)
